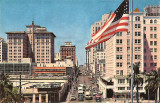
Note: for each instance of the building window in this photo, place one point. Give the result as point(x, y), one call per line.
point(137, 25)
point(128, 41)
point(128, 88)
point(151, 57)
point(117, 72)
point(151, 35)
point(119, 41)
point(155, 49)
point(145, 57)
point(155, 28)
point(151, 28)
point(144, 21)
point(137, 41)
point(128, 49)
point(119, 33)
point(151, 64)
point(151, 50)
point(144, 64)
point(128, 56)
point(151, 43)
point(137, 49)
point(121, 81)
point(137, 56)
point(155, 36)
point(155, 43)
point(121, 88)
point(151, 21)
point(118, 56)
point(144, 35)
point(119, 49)
point(137, 18)
point(155, 64)
point(155, 57)
point(137, 33)
point(144, 28)
point(119, 64)
point(155, 21)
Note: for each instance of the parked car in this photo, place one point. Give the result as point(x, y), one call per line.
point(88, 95)
point(100, 92)
point(72, 97)
point(94, 93)
point(98, 98)
point(87, 89)
point(80, 98)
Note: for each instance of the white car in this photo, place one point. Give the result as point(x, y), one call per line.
point(72, 97)
point(100, 92)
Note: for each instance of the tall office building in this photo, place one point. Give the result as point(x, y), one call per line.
point(145, 45)
point(36, 43)
point(68, 51)
point(17, 46)
point(3, 50)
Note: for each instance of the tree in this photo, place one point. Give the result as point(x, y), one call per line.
point(137, 79)
point(8, 93)
point(153, 80)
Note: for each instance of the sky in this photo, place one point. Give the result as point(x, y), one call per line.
point(69, 20)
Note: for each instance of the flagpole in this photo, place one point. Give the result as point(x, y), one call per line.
point(132, 51)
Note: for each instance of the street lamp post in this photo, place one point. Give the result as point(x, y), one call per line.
point(20, 92)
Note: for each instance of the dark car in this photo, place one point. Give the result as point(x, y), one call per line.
point(98, 98)
point(80, 98)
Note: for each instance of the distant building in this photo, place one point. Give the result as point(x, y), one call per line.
point(152, 10)
point(25, 67)
point(68, 50)
point(3, 50)
point(36, 43)
point(40, 44)
point(42, 89)
point(60, 68)
point(17, 46)
point(57, 56)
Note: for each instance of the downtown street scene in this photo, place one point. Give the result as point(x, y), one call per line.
point(80, 51)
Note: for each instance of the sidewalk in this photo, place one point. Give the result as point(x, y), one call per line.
point(68, 98)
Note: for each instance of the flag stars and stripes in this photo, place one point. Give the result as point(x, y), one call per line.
point(118, 22)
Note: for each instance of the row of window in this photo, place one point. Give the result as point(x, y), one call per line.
point(151, 28)
point(151, 64)
point(42, 56)
point(128, 88)
point(14, 53)
point(42, 59)
point(151, 21)
point(42, 53)
point(15, 56)
point(137, 18)
point(101, 53)
point(119, 41)
point(151, 57)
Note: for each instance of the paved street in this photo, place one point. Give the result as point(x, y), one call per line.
point(83, 80)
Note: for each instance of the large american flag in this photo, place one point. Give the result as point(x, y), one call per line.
point(117, 22)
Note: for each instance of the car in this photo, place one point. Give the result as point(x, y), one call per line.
point(94, 93)
point(72, 97)
point(87, 89)
point(75, 88)
point(100, 92)
point(80, 98)
point(88, 95)
point(98, 98)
